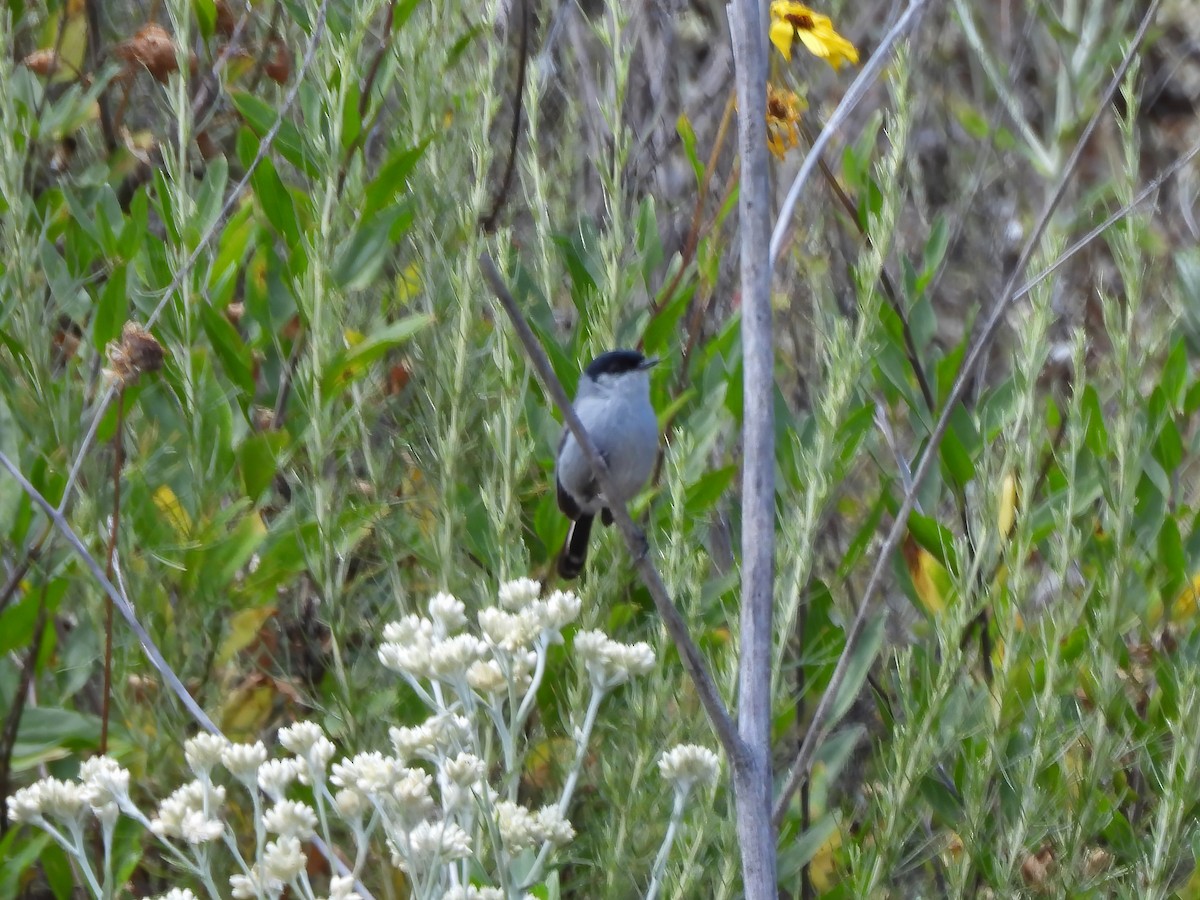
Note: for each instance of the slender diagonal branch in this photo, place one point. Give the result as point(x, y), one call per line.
point(689, 653)
point(819, 725)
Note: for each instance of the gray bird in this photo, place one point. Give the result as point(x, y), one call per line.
point(613, 403)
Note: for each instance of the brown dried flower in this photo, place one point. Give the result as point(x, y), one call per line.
point(138, 351)
point(153, 48)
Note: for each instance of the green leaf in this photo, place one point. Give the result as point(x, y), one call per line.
point(166, 208)
point(258, 457)
point(10, 443)
point(109, 218)
point(935, 251)
point(687, 136)
point(353, 363)
point(401, 12)
point(460, 46)
point(18, 851)
point(870, 204)
point(956, 458)
point(861, 659)
point(229, 348)
point(276, 202)
point(206, 17)
point(1095, 434)
point(362, 256)
point(1171, 558)
point(707, 489)
point(48, 733)
point(351, 118)
point(972, 120)
point(578, 251)
point(662, 330)
point(224, 559)
point(392, 179)
point(112, 310)
point(261, 117)
point(210, 199)
point(648, 243)
point(935, 538)
point(798, 853)
point(1174, 375)
point(863, 538)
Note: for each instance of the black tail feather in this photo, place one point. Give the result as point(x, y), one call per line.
point(574, 551)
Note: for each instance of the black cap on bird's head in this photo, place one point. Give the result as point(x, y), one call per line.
point(618, 362)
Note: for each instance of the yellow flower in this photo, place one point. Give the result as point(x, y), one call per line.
point(783, 117)
point(795, 20)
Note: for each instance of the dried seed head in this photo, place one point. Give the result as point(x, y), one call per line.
point(153, 48)
point(279, 67)
point(138, 351)
point(41, 62)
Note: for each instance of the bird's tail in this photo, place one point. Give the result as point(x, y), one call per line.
point(574, 551)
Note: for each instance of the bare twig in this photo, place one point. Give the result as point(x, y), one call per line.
point(817, 728)
point(752, 782)
point(1153, 187)
point(693, 661)
point(118, 443)
point(95, 51)
point(487, 223)
point(19, 571)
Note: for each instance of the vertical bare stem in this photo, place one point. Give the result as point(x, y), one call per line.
point(752, 779)
point(118, 464)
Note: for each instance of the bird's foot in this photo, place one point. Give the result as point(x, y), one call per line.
point(641, 546)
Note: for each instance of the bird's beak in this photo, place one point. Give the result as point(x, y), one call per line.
point(649, 363)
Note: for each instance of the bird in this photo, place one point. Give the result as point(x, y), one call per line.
point(613, 403)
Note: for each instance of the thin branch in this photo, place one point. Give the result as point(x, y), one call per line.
point(95, 51)
point(1153, 187)
point(689, 653)
point(1007, 295)
point(118, 442)
point(488, 222)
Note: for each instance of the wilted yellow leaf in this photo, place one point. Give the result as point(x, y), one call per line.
point(244, 626)
point(72, 46)
point(546, 757)
point(1184, 606)
point(929, 577)
point(172, 510)
point(821, 870)
point(1007, 515)
point(246, 710)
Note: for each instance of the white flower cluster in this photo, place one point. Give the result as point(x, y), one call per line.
point(427, 845)
point(428, 799)
point(48, 798)
point(191, 813)
point(521, 828)
point(688, 765)
point(435, 648)
point(610, 663)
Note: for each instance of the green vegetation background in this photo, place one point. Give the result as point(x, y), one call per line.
point(343, 424)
